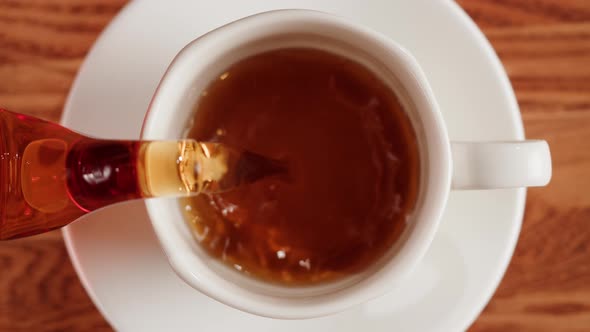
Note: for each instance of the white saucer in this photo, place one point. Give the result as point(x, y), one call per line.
point(115, 251)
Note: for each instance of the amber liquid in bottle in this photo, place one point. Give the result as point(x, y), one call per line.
point(50, 176)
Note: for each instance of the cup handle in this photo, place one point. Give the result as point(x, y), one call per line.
point(491, 165)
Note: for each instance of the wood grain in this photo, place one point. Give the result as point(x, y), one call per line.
point(545, 47)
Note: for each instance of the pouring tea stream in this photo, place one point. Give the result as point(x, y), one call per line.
point(50, 175)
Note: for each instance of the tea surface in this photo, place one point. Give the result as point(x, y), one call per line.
point(352, 160)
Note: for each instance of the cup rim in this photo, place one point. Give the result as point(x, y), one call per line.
point(435, 148)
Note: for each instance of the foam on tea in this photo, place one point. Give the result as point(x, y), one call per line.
point(352, 167)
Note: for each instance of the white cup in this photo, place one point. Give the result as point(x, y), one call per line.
point(445, 165)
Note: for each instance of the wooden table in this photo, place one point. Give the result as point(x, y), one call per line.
point(545, 47)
